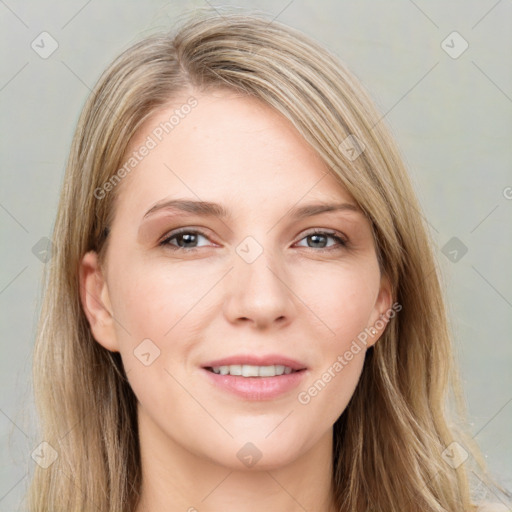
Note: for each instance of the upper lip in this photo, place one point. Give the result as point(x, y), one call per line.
point(254, 360)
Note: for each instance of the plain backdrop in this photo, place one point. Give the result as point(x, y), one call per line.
point(446, 96)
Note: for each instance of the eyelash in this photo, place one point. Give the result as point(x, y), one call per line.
point(342, 242)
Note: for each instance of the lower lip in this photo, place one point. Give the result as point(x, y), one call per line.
point(257, 388)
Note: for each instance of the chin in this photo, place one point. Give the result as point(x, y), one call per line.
point(257, 453)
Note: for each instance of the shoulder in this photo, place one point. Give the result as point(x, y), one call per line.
point(491, 507)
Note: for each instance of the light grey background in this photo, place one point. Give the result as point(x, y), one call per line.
point(452, 118)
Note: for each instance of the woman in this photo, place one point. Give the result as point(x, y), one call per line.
point(297, 357)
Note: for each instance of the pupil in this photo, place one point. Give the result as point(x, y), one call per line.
point(318, 236)
point(188, 237)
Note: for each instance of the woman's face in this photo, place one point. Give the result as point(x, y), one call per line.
point(255, 285)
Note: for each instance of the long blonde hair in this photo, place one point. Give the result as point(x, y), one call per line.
point(389, 442)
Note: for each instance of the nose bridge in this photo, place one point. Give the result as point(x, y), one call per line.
point(257, 289)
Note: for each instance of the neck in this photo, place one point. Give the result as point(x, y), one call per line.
point(177, 479)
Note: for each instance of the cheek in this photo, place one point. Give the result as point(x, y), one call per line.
point(155, 307)
point(329, 388)
point(155, 311)
point(152, 302)
point(341, 300)
point(327, 393)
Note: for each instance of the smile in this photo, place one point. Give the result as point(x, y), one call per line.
point(248, 386)
point(248, 370)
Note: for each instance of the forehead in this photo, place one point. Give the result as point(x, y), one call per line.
point(227, 147)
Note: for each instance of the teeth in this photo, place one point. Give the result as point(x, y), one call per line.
point(269, 371)
point(248, 370)
point(251, 371)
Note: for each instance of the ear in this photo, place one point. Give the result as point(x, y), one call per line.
point(382, 311)
point(96, 302)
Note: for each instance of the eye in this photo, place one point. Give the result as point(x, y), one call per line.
point(318, 239)
point(185, 239)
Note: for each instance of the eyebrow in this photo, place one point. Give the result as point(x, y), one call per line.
point(209, 209)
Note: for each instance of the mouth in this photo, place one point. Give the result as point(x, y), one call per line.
point(255, 378)
point(248, 370)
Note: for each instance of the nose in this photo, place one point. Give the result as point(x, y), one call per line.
point(259, 293)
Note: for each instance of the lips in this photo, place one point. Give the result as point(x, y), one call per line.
point(254, 388)
point(253, 360)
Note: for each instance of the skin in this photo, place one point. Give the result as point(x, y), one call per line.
point(302, 297)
